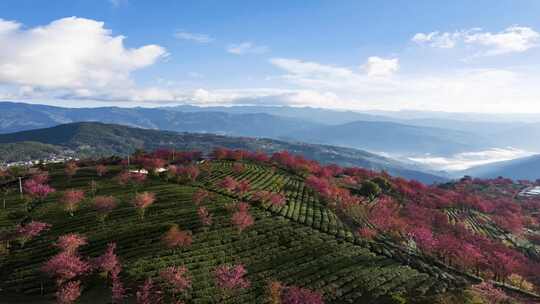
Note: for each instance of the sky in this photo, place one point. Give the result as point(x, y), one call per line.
point(456, 56)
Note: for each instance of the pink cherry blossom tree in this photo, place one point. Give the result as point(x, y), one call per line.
point(238, 168)
point(142, 201)
point(71, 242)
point(228, 184)
point(71, 169)
point(117, 289)
point(69, 293)
point(37, 190)
point(241, 218)
point(108, 263)
point(71, 199)
point(296, 295)
point(66, 266)
point(104, 205)
point(367, 233)
point(200, 196)
point(101, 170)
point(204, 216)
point(148, 293)
point(176, 278)
point(29, 231)
point(231, 279)
point(176, 238)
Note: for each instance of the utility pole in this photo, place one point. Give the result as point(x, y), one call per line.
point(20, 186)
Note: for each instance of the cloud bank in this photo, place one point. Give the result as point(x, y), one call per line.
point(463, 161)
point(514, 39)
point(71, 53)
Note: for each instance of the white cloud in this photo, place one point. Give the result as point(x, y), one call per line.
point(437, 39)
point(70, 53)
point(462, 90)
point(514, 39)
point(199, 38)
point(246, 48)
point(466, 160)
point(300, 68)
point(380, 67)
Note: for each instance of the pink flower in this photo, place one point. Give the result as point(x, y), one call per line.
point(71, 242)
point(367, 233)
point(296, 295)
point(71, 199)
point(200, 196)
point(31, 230)
point(177, 238)
point(204, 216)
point(104, 204)
point(228, 183)
point(424, 238)
point(108, 262)
point(176, 278)
point(41, 177)
point(188, 173)
point(491, 293)
point(147, 293)
point(277, 200)
point(130, 178)
point(238, 168)
point(242, 219)
point(231, 277)
point(65, 266)
point(71, 169)
point(69, 293)
point(37, 190)
point(101, 170)
point(118, 290)
point(143, 201)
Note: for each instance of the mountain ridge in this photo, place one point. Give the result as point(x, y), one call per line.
point(97, 139)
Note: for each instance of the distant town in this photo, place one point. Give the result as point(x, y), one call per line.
point(34, 162)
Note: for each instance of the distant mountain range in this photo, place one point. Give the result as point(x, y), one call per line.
point(97, 139)
point(521, 168)
point(344, 128)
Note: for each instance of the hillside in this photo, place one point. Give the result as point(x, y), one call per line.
point(521, 168)
point(27, 151)
point(302, 239)
point(96, 139)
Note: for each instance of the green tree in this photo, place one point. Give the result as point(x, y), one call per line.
point(370, 189)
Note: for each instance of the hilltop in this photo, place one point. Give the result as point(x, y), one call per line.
point(348, 235)
point(90, 139)
point(521, 168)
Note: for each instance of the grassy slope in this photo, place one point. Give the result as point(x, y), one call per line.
point(303, 243)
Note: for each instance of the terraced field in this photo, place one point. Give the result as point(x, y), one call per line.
point(302, 243)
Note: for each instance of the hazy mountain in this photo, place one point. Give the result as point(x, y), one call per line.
point(18, 117)
point(521, 168)
point(395, 138)
point(344, 128)
point(97, 139)
point(317, 115)
point(525, 136)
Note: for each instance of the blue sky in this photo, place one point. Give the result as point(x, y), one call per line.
point(479, 56)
